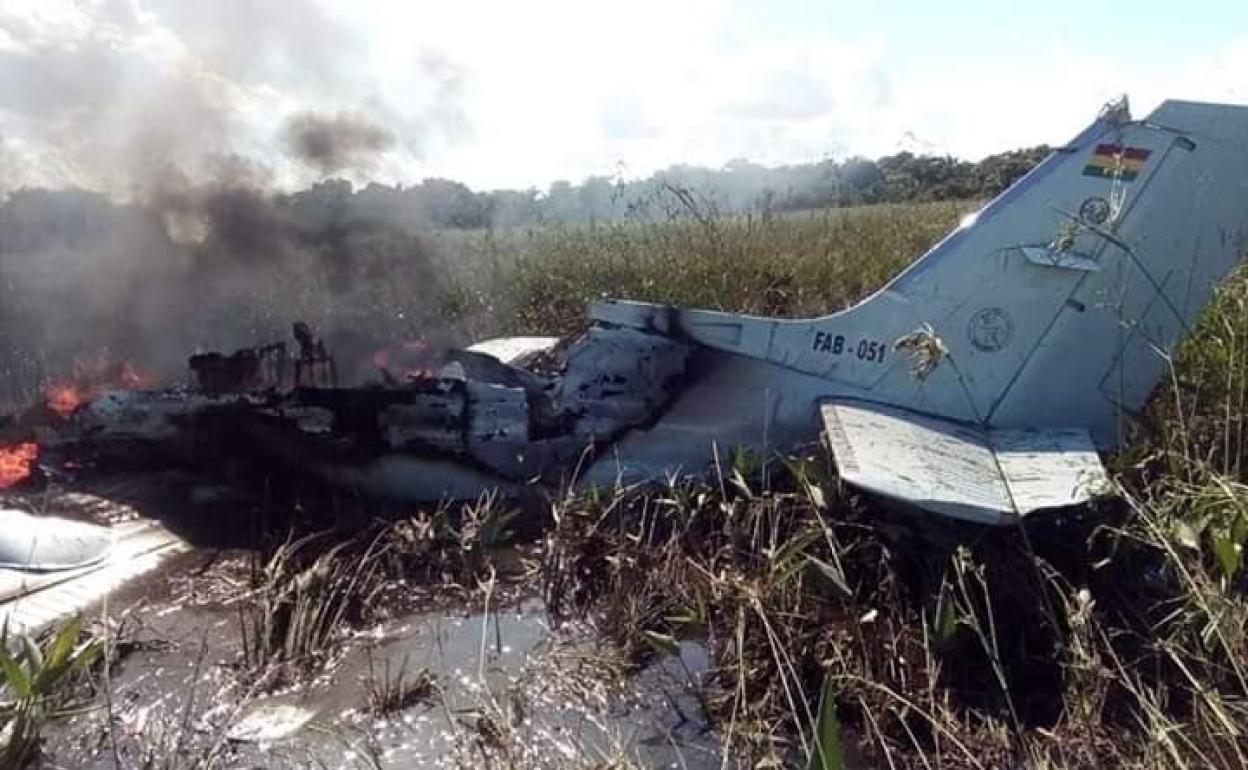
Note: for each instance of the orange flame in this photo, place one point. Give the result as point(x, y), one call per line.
point(131, 378)
point(16, 462)
point(408, 360)
point(63, 399)
point(91, 376)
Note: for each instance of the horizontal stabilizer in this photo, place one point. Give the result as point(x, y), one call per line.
point(985, 476)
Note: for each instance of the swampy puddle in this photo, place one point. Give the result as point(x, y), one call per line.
point(470, 686)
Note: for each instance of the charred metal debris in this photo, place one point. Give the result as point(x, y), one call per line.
point(528, 419)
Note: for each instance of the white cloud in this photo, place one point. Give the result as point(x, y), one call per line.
point(517, 94)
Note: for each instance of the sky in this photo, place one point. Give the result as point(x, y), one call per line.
point(117, 94)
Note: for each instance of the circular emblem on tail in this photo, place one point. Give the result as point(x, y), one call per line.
point(990, 329)
point(1095, 210)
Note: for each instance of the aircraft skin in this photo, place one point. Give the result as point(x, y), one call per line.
point(1055, 305)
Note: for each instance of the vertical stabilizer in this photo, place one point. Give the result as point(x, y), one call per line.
point(1053, 306)
point(1158, 216)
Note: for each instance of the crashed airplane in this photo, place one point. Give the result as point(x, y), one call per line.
point(979, 384)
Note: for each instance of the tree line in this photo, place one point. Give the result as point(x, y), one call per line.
point(740, 186)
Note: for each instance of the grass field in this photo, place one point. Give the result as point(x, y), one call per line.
point(843, 635)
point(536, 281)
point(1113, 637)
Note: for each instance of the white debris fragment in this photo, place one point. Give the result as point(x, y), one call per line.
point(270, 722)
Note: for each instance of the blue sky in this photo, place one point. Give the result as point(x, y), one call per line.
point(112, 93)
point(981, 28)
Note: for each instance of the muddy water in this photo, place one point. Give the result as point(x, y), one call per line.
point(508, 690)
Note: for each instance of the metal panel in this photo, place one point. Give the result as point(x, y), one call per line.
point(31, 601)
point(49, 543)
point(1049, 468)
point(1047, 257)
point(511, 350)
point(959, 470)
point(935, 464)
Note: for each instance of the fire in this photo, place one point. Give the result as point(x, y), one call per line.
point(407, 361)
point(92, 375)
point(131, 378)
point(63, 399)
point(100, 371)
point(16, 462)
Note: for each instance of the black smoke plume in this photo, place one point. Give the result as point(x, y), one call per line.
point(336, 143)
point(205, 267)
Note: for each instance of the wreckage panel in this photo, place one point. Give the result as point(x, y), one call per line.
point(31, 601)
point(991, 477)
point(497, 414)
point(1049, 468)
point(434, 421)
point(498, 421)
point(513, 350)
point(936, 464)
point(50, 543)
point(617, 378)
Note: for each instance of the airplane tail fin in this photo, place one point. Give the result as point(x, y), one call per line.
point(1061, 301)
point(1058, 308)
point(981, 380)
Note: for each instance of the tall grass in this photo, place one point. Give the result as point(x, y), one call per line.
point(841, 633)
point(537, 281)
point(1114, 635)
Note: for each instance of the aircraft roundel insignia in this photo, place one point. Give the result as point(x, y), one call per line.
point(990, 329)
point(1094, 210)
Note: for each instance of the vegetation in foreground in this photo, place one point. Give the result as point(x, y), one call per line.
point(1114, 635)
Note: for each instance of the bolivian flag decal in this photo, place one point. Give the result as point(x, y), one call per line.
point(1114, 161)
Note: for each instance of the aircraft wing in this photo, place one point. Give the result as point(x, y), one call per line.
point(986, 476)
